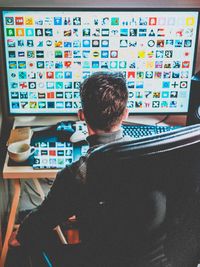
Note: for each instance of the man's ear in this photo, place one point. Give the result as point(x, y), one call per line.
point(81, 115)
point(125, 114)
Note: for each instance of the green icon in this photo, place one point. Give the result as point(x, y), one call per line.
point(114, 64)
point(59, 85)
point(58, 54)
point(10, 32)
point(114, 21)
point(122, 64)
point(86, 64)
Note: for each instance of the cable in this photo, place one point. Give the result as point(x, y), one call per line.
point(32, 189)
point(29, 196)
point(165, 117)
point(48, 181)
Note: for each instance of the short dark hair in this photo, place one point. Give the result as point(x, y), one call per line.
point(104, 98)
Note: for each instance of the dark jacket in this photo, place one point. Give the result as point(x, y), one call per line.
point(65, 198)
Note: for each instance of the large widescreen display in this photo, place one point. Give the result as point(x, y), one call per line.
point(49, 53)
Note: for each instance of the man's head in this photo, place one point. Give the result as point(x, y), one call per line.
point(104, 98)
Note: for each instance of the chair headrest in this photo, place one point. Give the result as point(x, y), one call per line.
point(177, 139)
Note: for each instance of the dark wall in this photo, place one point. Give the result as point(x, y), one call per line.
point(4, 194)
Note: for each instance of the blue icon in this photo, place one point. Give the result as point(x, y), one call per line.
point(57, 21)
point(95, 64)
point(104, 43)
point(67, 44)
point(29, 32)
point(68, 74)
point(86, 43)
point(165, 94)
point(166, 85)
point(104, 54)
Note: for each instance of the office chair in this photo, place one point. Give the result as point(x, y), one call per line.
point(141, 204)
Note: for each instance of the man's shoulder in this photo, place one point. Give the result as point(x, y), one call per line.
point(77, 170)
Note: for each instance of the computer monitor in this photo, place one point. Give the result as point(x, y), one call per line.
point(48, 53)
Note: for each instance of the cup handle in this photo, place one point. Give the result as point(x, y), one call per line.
point(32, 150)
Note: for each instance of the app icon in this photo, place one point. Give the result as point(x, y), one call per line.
point(190, 21)
point(114, 21)
point(114, 54)
point(9, 20)
point(39, 32)
point(185, 64)
point(10, 32)
point(86, 43)
point(77, 21)
point(104, 43)
point(29, 32)
point(152, 21)
point(29, 20)
point(19, 20)
point(57, 21)
point(123, 32)
point(86, 32)
point(48, 32)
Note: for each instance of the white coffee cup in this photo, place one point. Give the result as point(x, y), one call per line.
point(20, 151)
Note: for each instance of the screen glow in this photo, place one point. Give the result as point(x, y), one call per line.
point(49, 53)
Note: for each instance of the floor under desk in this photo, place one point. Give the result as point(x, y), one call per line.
point(29, 199)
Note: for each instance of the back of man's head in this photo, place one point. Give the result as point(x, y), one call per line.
point(104, 98)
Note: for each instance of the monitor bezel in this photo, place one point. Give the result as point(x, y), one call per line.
point(4, 81)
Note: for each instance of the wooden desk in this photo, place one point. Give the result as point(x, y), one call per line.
point(15, 174)
point(26, 172)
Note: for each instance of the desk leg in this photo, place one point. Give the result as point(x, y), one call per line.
point(11, 220)
point(0, 240)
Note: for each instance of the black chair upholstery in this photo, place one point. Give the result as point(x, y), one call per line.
point(141, 204)
point(143, 201)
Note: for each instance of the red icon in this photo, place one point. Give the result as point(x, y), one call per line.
point(50, 74)
point(50, 95)
point(185, 64)
point(19, 21)
point(52, 153)
point(131, 74)
point(152, 21)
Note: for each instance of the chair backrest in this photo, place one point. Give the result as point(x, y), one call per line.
point(135, 189)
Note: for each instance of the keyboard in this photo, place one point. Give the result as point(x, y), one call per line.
point(52, 154)
point(139, 131)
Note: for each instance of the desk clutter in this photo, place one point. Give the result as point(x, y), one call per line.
point(20, 134)
point(55, 146)
point(59, 145)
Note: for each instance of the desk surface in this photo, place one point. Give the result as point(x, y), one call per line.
point(27, 172)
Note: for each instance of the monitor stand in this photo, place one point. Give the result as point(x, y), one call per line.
point(26, 119)
point(157, 119)
point(41, 120)
point(145, 119)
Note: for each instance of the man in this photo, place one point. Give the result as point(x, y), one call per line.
point(104, 98)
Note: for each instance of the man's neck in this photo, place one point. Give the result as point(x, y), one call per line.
point(98, 131)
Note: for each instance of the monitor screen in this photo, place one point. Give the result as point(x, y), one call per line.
point(48, 53)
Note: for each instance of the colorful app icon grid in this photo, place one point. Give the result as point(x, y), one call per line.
point(49, 54)
point(56, 155)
